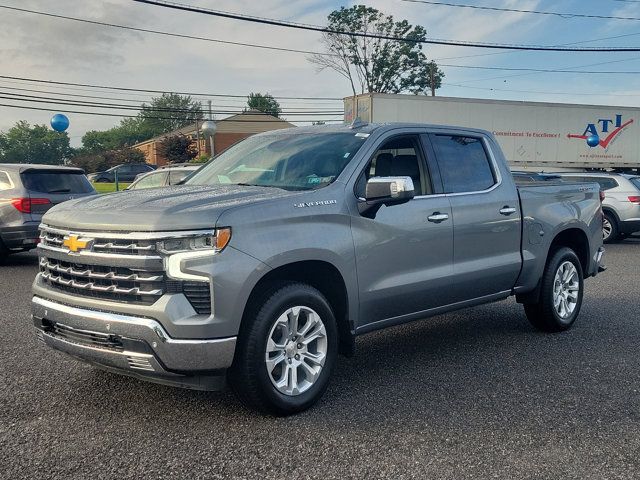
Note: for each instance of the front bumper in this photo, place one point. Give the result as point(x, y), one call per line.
point(134, 346)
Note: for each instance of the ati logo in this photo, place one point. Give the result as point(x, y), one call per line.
point(609, 130)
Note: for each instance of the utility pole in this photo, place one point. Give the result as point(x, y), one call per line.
point(432, 79)
point(212, 133)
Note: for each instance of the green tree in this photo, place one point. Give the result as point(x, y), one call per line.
point(177, 149)
point(169, 112)
point(377, 65)
point(263, 103)
point(38, 144)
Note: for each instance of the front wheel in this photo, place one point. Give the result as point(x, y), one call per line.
point(286, 351)
point(560, 294)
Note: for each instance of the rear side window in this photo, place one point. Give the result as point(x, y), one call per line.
point(605, 183)
point(464, 164)
point(176, 176)
point(5, 182)
point(56, 182)
point(152, 180)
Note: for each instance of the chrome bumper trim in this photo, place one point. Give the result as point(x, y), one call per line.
point(169, 354)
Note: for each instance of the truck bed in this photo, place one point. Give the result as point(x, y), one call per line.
point(549, 207)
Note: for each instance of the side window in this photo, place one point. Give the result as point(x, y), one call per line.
point(400, 157)
point(5, 182)
point(606, 183)
point(152, 180)
point(176, 176)
point(464, 163)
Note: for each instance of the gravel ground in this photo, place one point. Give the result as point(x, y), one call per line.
point(474, 394)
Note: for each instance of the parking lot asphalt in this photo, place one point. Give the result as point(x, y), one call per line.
point(474, 394)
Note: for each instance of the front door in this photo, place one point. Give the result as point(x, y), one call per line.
point(404, 254)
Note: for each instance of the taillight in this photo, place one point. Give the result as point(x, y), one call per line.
point(635, 199)
point(24, 204)
point(601, 196)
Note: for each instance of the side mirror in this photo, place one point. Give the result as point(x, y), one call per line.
point(389, 190)
point(385, 191)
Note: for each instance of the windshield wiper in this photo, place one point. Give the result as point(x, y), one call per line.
point(60, 190)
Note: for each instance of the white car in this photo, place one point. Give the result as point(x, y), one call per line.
point(164, 176)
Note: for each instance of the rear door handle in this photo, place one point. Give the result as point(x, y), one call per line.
point(438, 217)
point(507, 210)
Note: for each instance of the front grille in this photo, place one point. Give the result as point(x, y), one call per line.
point(139, 277)
point(122, 246)
point(83, 337)
point(113, 283)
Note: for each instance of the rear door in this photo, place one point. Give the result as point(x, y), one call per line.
point(47, 188)
point(486, 216)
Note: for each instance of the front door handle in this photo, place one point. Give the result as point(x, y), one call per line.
point(438, 217)
point(507, 210)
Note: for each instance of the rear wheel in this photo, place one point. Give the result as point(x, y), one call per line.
point(560, 294)
point(102, 180)
point(4, 252)
point(610, 230)
point(286, 352)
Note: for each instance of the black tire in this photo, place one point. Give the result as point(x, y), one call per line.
point(4, 252)
point(103, 180)
point(543, 314)
point(249, 377)
point(611, 220)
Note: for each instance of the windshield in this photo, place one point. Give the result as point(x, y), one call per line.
point(635, 181)
point(288, 161)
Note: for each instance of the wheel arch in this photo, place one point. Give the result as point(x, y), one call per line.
point(572, 237)
point(320, 274)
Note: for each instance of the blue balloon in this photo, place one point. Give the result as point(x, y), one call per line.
point(59, 122)
point(593, 141)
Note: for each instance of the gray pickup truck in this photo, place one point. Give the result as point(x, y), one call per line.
point(274, 256)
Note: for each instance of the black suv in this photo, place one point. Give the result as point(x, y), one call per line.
point(127, 172)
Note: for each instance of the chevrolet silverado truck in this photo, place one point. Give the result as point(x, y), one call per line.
point(271, 259)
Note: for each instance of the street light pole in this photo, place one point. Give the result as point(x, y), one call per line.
point(212, 132)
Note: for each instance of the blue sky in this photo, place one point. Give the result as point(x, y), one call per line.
point(39, 47)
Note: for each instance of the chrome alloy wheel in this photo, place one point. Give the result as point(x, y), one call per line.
point(606, 228)
point(566, 288)
point(296, 350)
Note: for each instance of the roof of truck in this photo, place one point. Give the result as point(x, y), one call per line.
point(368, 128)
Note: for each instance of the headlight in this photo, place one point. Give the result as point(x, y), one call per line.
point(211, 241)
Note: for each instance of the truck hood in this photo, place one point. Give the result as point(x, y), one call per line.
point(157, 209)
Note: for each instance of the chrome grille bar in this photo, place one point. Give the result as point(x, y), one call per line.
point(88, 273)
point(99, 288)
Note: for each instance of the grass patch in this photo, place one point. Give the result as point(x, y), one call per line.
point(109, 187)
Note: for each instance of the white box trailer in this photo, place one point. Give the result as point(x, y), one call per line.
point(533, 135)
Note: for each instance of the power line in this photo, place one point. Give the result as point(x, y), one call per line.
point(169, 34)
point(141, 101)
point(317, 28)
point(516, 10)
point(129, 89)
point(541, 70)
point(151, 110)
point(598, 94)
point(100, 114)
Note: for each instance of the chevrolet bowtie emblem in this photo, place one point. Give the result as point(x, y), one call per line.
point(75, 244)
